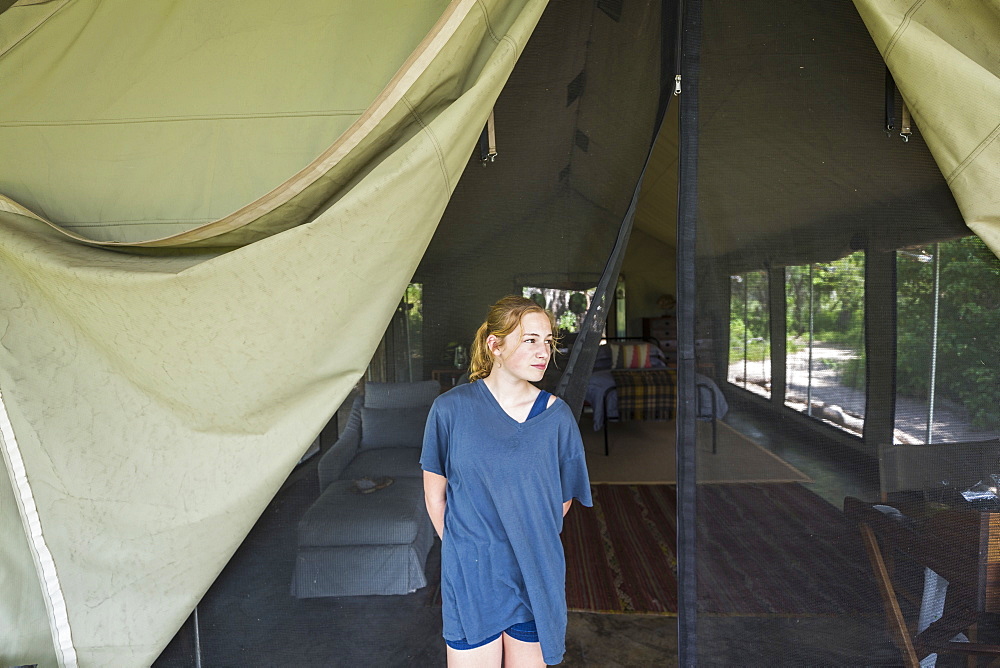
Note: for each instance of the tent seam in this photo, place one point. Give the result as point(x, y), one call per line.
point(974, 154)
point(181, 119)
point(44, 563)
point(136, 222)
point(904, 24)
point(489, 24)
point(433, 140)
point(516, 48)
point(32, 29)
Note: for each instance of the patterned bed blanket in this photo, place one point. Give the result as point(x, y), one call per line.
point(646, 394)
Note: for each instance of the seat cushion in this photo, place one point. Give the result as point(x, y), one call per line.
point(393, 462)
point(393, 427)
point(401, 395)
point(341, 516)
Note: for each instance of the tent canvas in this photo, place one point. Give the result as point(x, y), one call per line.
point(196, 374)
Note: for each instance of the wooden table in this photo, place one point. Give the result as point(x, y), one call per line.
point(961, 544)
point(447, 378)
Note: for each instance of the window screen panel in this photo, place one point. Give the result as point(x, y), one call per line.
point(825, 351)
point(947, 342)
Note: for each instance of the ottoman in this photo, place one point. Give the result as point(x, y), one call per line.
point(352, 544)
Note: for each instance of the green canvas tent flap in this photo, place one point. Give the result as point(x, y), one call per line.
point(945, 58)
point(152, 405)
point(247, 119)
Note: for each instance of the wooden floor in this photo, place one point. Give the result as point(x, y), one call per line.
point(249, 618)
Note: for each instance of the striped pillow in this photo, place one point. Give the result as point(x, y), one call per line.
point(630, 356)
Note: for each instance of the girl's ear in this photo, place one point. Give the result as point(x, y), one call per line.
point(493, 344)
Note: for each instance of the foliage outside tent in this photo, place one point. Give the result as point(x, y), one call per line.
point(967, 323)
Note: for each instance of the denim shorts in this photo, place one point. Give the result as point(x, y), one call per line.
point(525, 632)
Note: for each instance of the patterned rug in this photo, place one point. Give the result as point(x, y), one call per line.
point(763, 549)
point(620, 554)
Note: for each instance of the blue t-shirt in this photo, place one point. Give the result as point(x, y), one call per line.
point(502, 562)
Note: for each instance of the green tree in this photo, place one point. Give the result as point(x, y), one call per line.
point(750, 317)
point(839, 305)
point(968, 337)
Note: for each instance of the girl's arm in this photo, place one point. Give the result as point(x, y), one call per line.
point(435, 489)
point(566, 507)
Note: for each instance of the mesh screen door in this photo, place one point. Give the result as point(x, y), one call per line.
point(838, 284)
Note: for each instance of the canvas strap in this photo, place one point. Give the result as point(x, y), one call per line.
point(904, 125)
point(890, 103)
point(488, 141)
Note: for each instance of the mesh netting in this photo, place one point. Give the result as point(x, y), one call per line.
point(832, 265)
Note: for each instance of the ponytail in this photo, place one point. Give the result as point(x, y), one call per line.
point(502, 319)
point(480, 358)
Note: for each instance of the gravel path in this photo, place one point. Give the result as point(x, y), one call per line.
point(846, 406)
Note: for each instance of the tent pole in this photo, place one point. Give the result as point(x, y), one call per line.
point(197, 640)
point(689, 40)
point(809, 370)
point(934, 344)
point(746, 330)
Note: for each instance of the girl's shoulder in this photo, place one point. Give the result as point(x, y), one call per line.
point(560, 408)
point(458, 397)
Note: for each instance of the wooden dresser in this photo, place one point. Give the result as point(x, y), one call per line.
point(663, 328)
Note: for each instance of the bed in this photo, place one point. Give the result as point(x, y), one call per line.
point(649, 387)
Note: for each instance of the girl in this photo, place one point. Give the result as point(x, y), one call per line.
point(506, 461)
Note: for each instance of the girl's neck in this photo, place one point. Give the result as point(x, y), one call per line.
point(507, 389)
point(514, 395)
